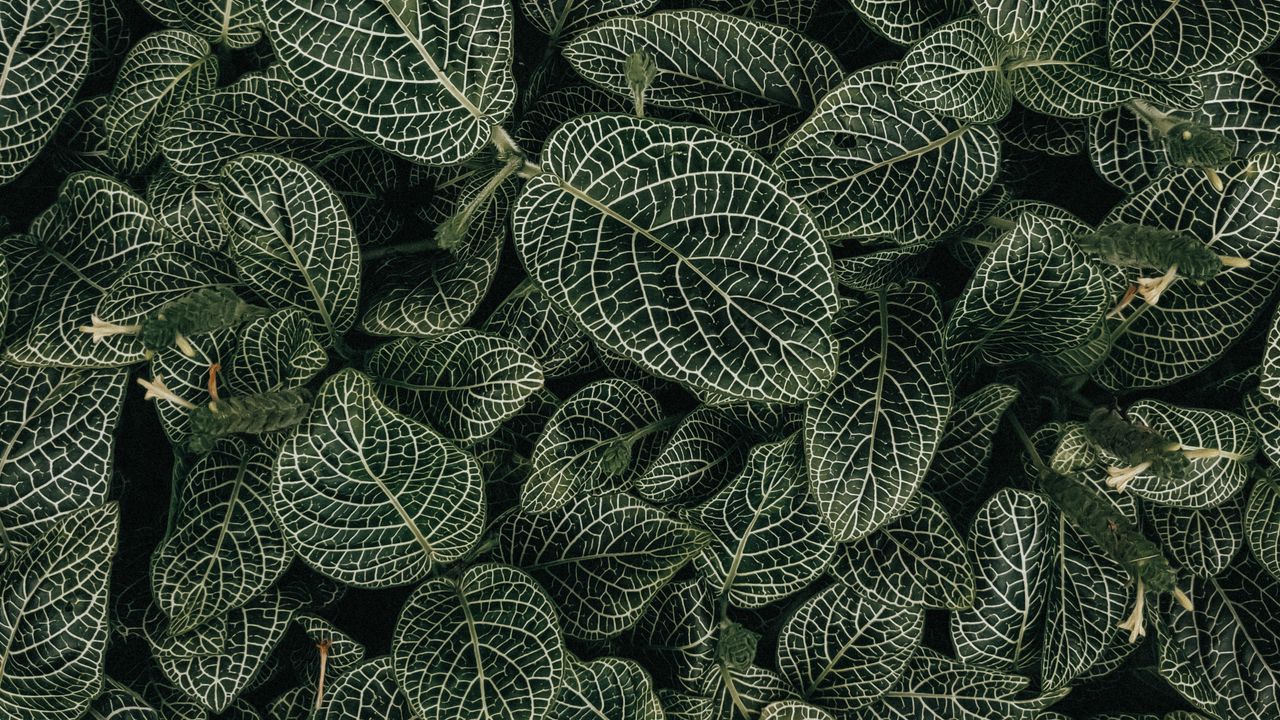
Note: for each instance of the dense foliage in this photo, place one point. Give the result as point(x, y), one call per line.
point(631, 359)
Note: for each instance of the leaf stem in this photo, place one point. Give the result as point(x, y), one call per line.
point(1021, 432)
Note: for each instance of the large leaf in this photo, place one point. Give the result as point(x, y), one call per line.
point(161, 74)
point(368, 689)
point(56, 445)
point(465, 383)
point(768, 539)
point(45, 46)
point(956, 71)
point(917, 559)
point(602, 558)
point(869, 165)
point(217, 661)
point(118, 702)
point(1160, 39)
point(959, 469)
point(1202, 541)
point(1193, 325)
point(63, 266)
point(1011, 543)
point(425, 80)
point(756, 89)
point(563, 18)
point(607, 689)
point(53, 626)
point(370, 497)
point(1241, 102)
point(292, 240)
point(680, 251)
point(260, 112)
point(1035, 293)
point(742, 694)
point(188, 208)
point(870, 438)
point(579, 449)
point(841, 650)
point(484, 645)
point(222, 548)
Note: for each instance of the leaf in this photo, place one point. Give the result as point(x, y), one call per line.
point(607, 689)
point(870, 438)
point(709, 445)
point(1011, 543)
point(465, 383)
point(882, 268)
point(222, 548)
point(1193, 325)
point(216, 662)
point(233, 23)
point(46, 54)
point(485, 645)
point(1241, 103)
point(370, 497)
point(603, 558)
point(368, 688)
point(1201, 541)
point(1210, 480)
point(344, 652)
point(258, 113)
point(189, 209)
point(1123, 152)
point(756, 89)
point(527, 318)
point(426, 80)
point(56, 446)
point(793, 710)
point(81, 140)
point(959, 469)
point(906, 21)
point(677, 633)
point(743, 694)
point(117, 702)
point(916, 560)
point(276, 351)
point(564, 18)
point(767, 537)
point(868, 165)
point(841, 651)
point(935, 687)
point(1053, 136)
point(65, 264)
point(575, 451)
point(1158, 39)
point(54, 624)
point(160, 75)
point(1262, 523)
point(956, 71)
point(1013, 20)
point(795, 14)
point(1227, 646)
point(735, 304)
point(291, 238)
point(1035, 293)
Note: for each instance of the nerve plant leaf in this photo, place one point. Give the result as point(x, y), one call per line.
point(1156, 39)
point(425, 80)
point(602, 558)
point(870, 438)
point(367, 690)
point(234, 23)
point(906, 21)
point(484, 645)
point(734, 299)
point(1262, 521)
point(607, 689)
point(959, 468)
point(370, 497)
point(564, 18)
point(54, 627)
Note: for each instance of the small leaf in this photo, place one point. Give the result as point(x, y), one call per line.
point(369, 687)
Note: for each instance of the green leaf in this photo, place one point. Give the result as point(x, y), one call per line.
point(276, 351)
point(1161, 39)
point(959, 470)
point(1262, 523)
point(1201, 541)
point(869, 440)
point(62, 267)
point(917, 559)
point(743, 694)
point(756, 89)
point(236, 24)
point(906, 21)
point(217, 661)
point(189, 209)
point(677, 633)
point(54, 627)
point(426, 80)
point(291, 238)
point(795, 14)
point(1011, 543)
point(606, 421)
point(527, 318)
point(160, 75)
point(56, 445)
point(46, 55)
point(258, 113)
point(344, 652)
point(869, 165)
point(485, 645)
point(370, 497)
point(736, 292)
point(117, 702)
point(709, 445)
point(767, 536)
point(564, 18)
point(793, 710)
point(222, 548)
point(957, 71)
point(935, 687)
point(367, 690)
point(603, 558)
point(882, 268)
point(1013, 20)
point(1241, 102)
point(1035, 293)
point(607, 689)
point(841, 651)
point(81, 140)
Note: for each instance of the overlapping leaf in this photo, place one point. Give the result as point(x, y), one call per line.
point(906, 21)
point(1203, 541)
point(1262, 523)
point(957, 71)
point(709, 445)
point(607, 689)
point(959, 468)
point(1159, 39)
point(234, 23)
point(563, 18)
point(367, 690)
